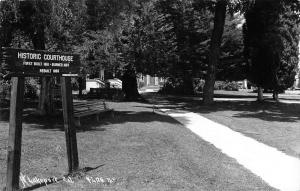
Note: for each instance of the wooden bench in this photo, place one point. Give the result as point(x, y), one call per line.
point(88, 108)
point(106, 93)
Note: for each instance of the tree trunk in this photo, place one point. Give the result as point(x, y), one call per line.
point(188, 84)
point(275, 95)
point(80, 91)
point(259, 94)
point(80, 86)
point(46, 105)
point(129, 85)
point(214, 54)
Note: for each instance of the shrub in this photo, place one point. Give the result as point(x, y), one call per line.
point(198, 85)
point(173, 86)
point(232, 86)
point(74, 84)
point(31, 88)
point(4, 88)
point(225, 85)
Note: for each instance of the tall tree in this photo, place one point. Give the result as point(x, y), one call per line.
point(8, 21)
point(34, 18)
point(271, 44)
point(186, 26)
point(232, 66)
point(214, 55)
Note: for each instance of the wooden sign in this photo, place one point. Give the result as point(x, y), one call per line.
point(21, 63)
point(39, 63)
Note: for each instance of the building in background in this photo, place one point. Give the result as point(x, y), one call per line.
point(147, 80)
point(297, 77)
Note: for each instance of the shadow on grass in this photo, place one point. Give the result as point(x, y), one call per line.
point(54, 122)
point(267, 110)
point(219, 95)
point(77, 174)
point(89, 123)
point(141, 116)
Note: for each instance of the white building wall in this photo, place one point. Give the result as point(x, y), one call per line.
point(156, 81)
point(148, 80)
point(297, 77)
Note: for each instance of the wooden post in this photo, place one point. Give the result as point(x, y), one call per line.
point(15, 134)
point(69, 126)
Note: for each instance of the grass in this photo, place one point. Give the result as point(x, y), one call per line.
point(135, 150)
point(275, 124)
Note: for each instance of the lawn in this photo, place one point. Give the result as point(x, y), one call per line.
point(135, 150)
point(275, 124)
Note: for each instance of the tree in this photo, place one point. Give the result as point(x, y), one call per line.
point(186, 27)
point(271, 45)
point(134, 48)
point(34, 17)
point(101, 45)
point(219, 21)
point(232, 66)
point(30, 17)
point(8, 22)
point(160, 40)
point(48, 25)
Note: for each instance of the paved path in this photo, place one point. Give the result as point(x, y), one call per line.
point(274, 167)
point(254, 99)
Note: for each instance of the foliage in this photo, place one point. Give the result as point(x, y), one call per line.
point(188, 28)
point(173, 86)
point(214, 50)
point(232, 64)
point(226, 85)
point(219, 85)
point(271, 44)
point(7, 24)
point(168, 38)
point(31, 88)
point(198, 85)
point(74, 84)
point(4, 88)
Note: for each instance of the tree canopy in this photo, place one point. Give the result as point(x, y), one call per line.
point(178, 39)
point(271, 44)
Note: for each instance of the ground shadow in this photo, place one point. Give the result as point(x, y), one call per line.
point(268, 110)
point(89, 123)
point(53, 122)
point(140, 116)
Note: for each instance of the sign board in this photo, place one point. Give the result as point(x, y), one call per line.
point(40, 63)
point(21, 63)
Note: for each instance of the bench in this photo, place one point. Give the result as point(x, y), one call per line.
point(88, 108)
point(106, 93)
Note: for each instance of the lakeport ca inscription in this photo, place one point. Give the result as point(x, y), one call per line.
point(36, 62)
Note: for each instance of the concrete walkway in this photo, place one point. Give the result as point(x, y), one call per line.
point(273, 166)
